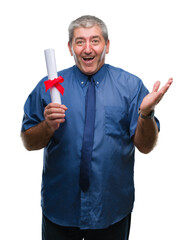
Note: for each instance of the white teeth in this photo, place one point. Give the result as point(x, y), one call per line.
point(88, 58)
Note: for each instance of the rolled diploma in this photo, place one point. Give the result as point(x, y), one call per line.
point(52, 73)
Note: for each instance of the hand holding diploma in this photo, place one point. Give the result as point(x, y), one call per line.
point(54, 112)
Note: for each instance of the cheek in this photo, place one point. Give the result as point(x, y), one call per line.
point(77, 51)
point(101, 51)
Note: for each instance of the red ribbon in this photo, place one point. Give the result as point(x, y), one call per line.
point(55, 83)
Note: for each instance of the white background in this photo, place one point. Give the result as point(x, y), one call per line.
point(152, 39)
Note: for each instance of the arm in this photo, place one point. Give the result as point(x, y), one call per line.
point(38, 136)
point(146, 133)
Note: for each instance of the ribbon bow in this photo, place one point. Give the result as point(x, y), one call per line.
point(55, 83)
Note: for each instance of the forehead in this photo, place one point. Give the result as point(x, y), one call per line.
point(82, 32)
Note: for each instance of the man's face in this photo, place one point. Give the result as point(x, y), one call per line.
point(89, 49)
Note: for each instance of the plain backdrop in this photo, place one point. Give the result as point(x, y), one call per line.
point(151, 39)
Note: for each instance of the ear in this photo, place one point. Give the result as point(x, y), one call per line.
point(69, 47)
point(108, 45)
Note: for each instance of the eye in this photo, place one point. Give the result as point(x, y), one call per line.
point(95, 41)
point(80, 42)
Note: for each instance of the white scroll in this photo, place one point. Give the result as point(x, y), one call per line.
point(52, 74)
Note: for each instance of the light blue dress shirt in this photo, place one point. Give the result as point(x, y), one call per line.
point(110, 196)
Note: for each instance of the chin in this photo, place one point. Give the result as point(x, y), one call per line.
point(88, 71)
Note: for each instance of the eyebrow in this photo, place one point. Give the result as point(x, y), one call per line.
point(96, 36)
point(80, 38)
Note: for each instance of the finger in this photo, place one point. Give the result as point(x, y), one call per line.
point(63, 107)
point(53, 105)
point(51, 111)
point(55, 116)
point(156, 86)
point(164, 89)
point(59, 120)
point(54, 113)
point(170, 81)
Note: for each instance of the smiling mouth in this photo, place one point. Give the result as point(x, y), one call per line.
point(88, 59)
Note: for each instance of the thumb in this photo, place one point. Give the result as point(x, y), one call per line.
point(156, 86)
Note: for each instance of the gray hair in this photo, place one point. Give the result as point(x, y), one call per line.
point(86, 22)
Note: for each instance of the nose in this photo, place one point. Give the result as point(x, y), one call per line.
point(87, 48)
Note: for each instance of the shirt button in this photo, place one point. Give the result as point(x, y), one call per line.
point(97, 83)
point(82, 82)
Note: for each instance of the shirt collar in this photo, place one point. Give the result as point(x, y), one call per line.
point(82, 78)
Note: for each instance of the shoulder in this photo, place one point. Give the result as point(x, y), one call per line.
point(122, 72)
point(66, 72)
point(128, 83)
point(123, 77)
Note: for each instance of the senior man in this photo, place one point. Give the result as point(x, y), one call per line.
point(89, 140)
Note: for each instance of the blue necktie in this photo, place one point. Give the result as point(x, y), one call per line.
point(88, 137)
